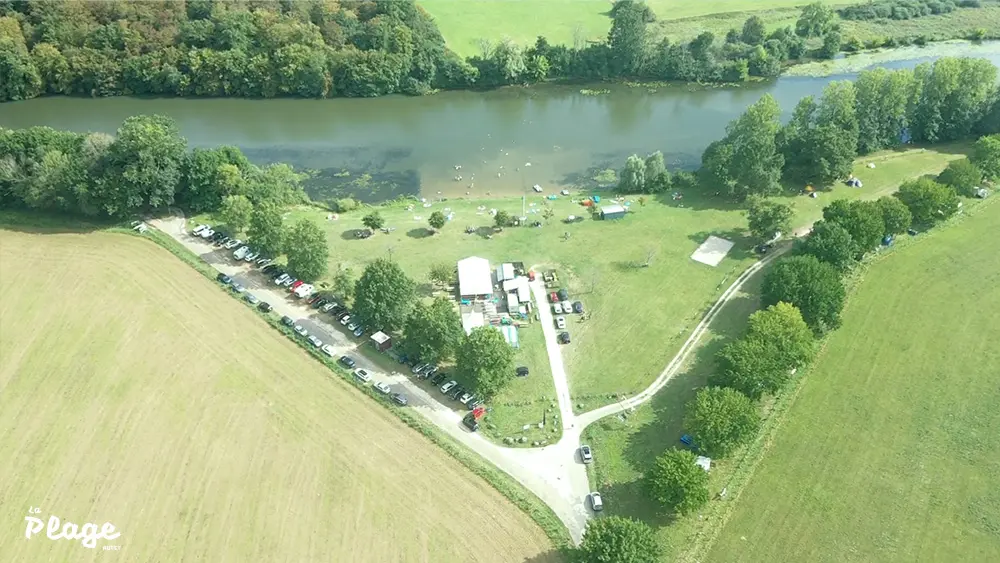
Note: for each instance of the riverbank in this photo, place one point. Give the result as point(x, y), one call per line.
point(895, 58)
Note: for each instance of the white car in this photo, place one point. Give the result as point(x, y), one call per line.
point(251, 256)
point(241, 252)
point(362, 375)
point(327, 349)
point(197, 230)
point(567, 307)
point(315, 341)
point(301, 330)
point(466, 397)
point(352, 327)
point(345, 320)
point(447, 386)
point(233, 243)
point(382, 387)
point(557, 308)
point(281, 279)
point(207, 233)
point(595, 502)
point(560, 322)
point(303, 290)
point(328, 307)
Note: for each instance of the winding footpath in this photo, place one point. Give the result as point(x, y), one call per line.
point(554, 473)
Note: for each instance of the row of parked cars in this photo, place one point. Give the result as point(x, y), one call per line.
point(561, 304)
point(451, 389)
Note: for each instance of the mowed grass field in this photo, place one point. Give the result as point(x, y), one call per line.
point(135, 392)
point(463, 23)
point(891, 451)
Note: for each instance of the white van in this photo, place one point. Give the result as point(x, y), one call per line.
point(241, 252)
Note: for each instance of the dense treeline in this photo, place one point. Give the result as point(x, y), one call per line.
point(309, 48)
point(952, 99)
point(903, 9)
point(145, 167)
point(322, 48)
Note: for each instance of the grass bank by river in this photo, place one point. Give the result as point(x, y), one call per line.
point(857, 62)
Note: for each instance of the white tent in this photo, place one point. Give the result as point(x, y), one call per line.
point(474, 277)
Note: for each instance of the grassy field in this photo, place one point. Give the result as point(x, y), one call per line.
point(624, 446)
point(639, 315)
point(136, 392)
point(465, 23)
point(957, 24)
point(891, 451)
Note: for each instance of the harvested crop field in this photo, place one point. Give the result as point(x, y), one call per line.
point(134, 392)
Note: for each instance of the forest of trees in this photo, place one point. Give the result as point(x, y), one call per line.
point(325, 48)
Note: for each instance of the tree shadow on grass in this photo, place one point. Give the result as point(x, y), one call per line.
point(419, 232)
point(33, 222)
point(552, 556)
point(350, 234)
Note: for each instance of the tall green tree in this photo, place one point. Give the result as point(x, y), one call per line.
point(267, 229)
point(436, 220)
point(882, 101)
point(814, 287)
point(831, 243)
point(486, 360)
point(383, 295)
point(816, 20)
point(19, 77)
point(236, 212)
point(963, 176)
point(754, 31)
point(677, 483)
point(627, 38)
point(373, 220)
point(927, 200)
point(747, 160)
point(633, 176)
point(208, 175)
point(721, 419)
point(820, 142)
point(895, 215)
point(345, 283)
point(767, 218)
point(432, 333)
point(955, 95)
point(142, 167)
point(616, 539)
point(863, 219)
point(307, 251)
point(986, 156)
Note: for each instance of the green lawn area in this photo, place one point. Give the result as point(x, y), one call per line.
point(891, 451)
point(625, 446)
point(464, 23)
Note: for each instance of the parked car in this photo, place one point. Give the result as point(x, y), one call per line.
point(470, 422)
point(553, 297)
point(233, 243)
point(251, 299)
point(287, 321)
point(220, 241)
point(418, 368)
point(295, 284)
point(345, 319)
point(301, 330)
point(578, 307)
point(316, 301)
point(207, 233)
point(362, 375)
point(557, 308)
point(466, 397)
point(219, 235)
point(197, 230)
point(382, 387)
point(315, 341)
point(438, 378)
point(473, 404)
point(265, 306)
point(567, 307)
point(358, 332)
point(264, 262)
point(448, 386)
point(456, 392)
point(585, 454)
point(238, 288)
point(251, 256)
point(241, 252)
point(563, 295)
point(327, 307)
point(595, 502)
point(288, 282)
point(560, 322)
point(226, 280)
point(522, 371)
point(352, 326)
point(327, 349)
point(399, 398)
point(347, 361)
point(343, 314)
point(269, 268)
point(280, 279)
point(304, 290)
point(564, 338)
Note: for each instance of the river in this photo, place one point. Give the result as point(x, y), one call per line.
point(504, 141)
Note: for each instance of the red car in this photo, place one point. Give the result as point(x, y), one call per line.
point(296, 285)
point(553, 297)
